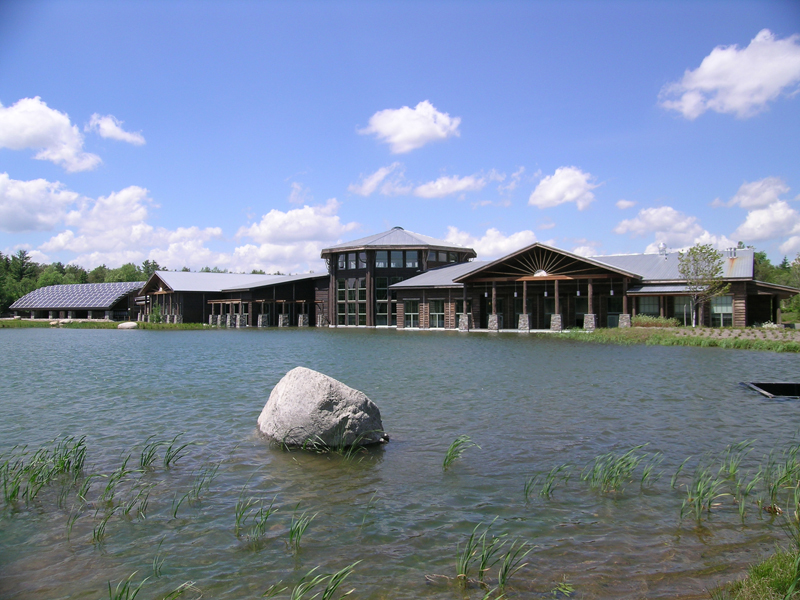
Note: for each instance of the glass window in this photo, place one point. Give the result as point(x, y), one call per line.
point(342, 261)
point(341, 290)
point(442, 256)
point(436, 313)
point(397, 259)
point(614, 304)
point(351, 260)
point(452, 257)
point(549, 306)
point(683, 309)
point(722, 311)
point(412, 313)
point(362, 260)
point(351, 293)
point(412, 260)
point(431, 256)
point(381, 288)
point(581, 305)
point(362, 290)
point(381, 259)
point(649, 306)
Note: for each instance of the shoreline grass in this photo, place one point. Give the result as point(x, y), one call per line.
point(653, 336)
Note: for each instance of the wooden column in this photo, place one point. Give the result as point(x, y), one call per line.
point(625, 295)
point(661, 306)
point(370, 283)
point(558, 304)
point(525, 297)
point(494, 297)
point(590, 299)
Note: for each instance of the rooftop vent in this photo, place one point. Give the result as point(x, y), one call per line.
point(400, 228)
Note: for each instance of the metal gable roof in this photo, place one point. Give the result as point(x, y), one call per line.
point(77, 296)
point(441, 276)
point(660, 267)
point(398, 237)
point(277, 280)
point(184, 281)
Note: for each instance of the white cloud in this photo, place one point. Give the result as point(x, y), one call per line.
point(737, 81)
point(759, 193)
point(444, 186)
point(587, 251)
point(299, 193)
point(30, 123)
point(36, 205)
point(513, 181)
point(114, 230)
point(310, 223)
point(776, 220)
point(406, 129)
point(109, 126)
point(389, 186)
point(493, 244)
point(791, 245)
point(623, 204)
point(567, 184)
point(674, 228)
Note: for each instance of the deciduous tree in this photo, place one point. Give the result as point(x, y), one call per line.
point(701, 267)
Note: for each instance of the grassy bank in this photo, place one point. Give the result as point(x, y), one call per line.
point(741, 339)
point(94, 324)
point(770, 579)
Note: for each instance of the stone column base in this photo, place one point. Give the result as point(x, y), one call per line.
point(524, 322)
point(263, 321)
point(322, 321)
point(589, 322)
point(283, 320)
point(178, 319)
point(70, 314)
point(555, 323)
point(463, 322)
point(624, 320)
point(302, 320)
point(494, 323)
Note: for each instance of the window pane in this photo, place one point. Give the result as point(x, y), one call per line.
point(381, 294)
point(341, 289)
point(397, 259)
point(342, 261)
point(431, 255)
point(581, 306)
point(649, 306)
point(452, 257)
point(381, 259)
point(362, 260)
point(412, 262)
point(383, 308)
point(442, 256)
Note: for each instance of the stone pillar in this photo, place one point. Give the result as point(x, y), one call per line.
point(463, 321)
point(302, 320)
point(211, 320)
point(178, 319)
point(494, 322)
point(283, 320)
point(263, 320)
point(109, 315)
point(624, 320)
point(88, 314)
point(555, 322)
point(70, 314)
point(322, 320)
point(589, 322)
point(524, 321)
point(51, 314)
point(228, 320)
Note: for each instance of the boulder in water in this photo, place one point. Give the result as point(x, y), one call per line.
point(310, 408)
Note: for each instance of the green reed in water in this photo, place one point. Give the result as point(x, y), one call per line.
point(610, 472)
point(547, 482)
point(456, 450)
point(125, 589)
point(298, 528)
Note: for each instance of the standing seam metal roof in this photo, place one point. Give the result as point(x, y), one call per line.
point(183, 281)
point(396, 237)
point(441, 276)
point(77, 295)
point(660, 267)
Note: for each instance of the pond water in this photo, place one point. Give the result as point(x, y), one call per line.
point(529, 402)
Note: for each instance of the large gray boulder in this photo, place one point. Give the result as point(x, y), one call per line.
point(309, 408)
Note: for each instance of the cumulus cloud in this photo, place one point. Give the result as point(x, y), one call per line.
point(36, 205)
point(113, 230)
point(310, 223)
point(567, 184)
point(30, 123)
point(406, 129)
point(493, 244)
point(587, 251)
point(623, 204)
point(759, 193)
point(672, 227)
point(737, 81)
point(445, 186)
point(776, 220)
point(389, 181)
point(109, 126)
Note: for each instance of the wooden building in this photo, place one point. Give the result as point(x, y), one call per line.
point(361, 273)
point(541, 287)
point(233, 300)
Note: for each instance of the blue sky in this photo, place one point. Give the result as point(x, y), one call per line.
point(252, 134)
